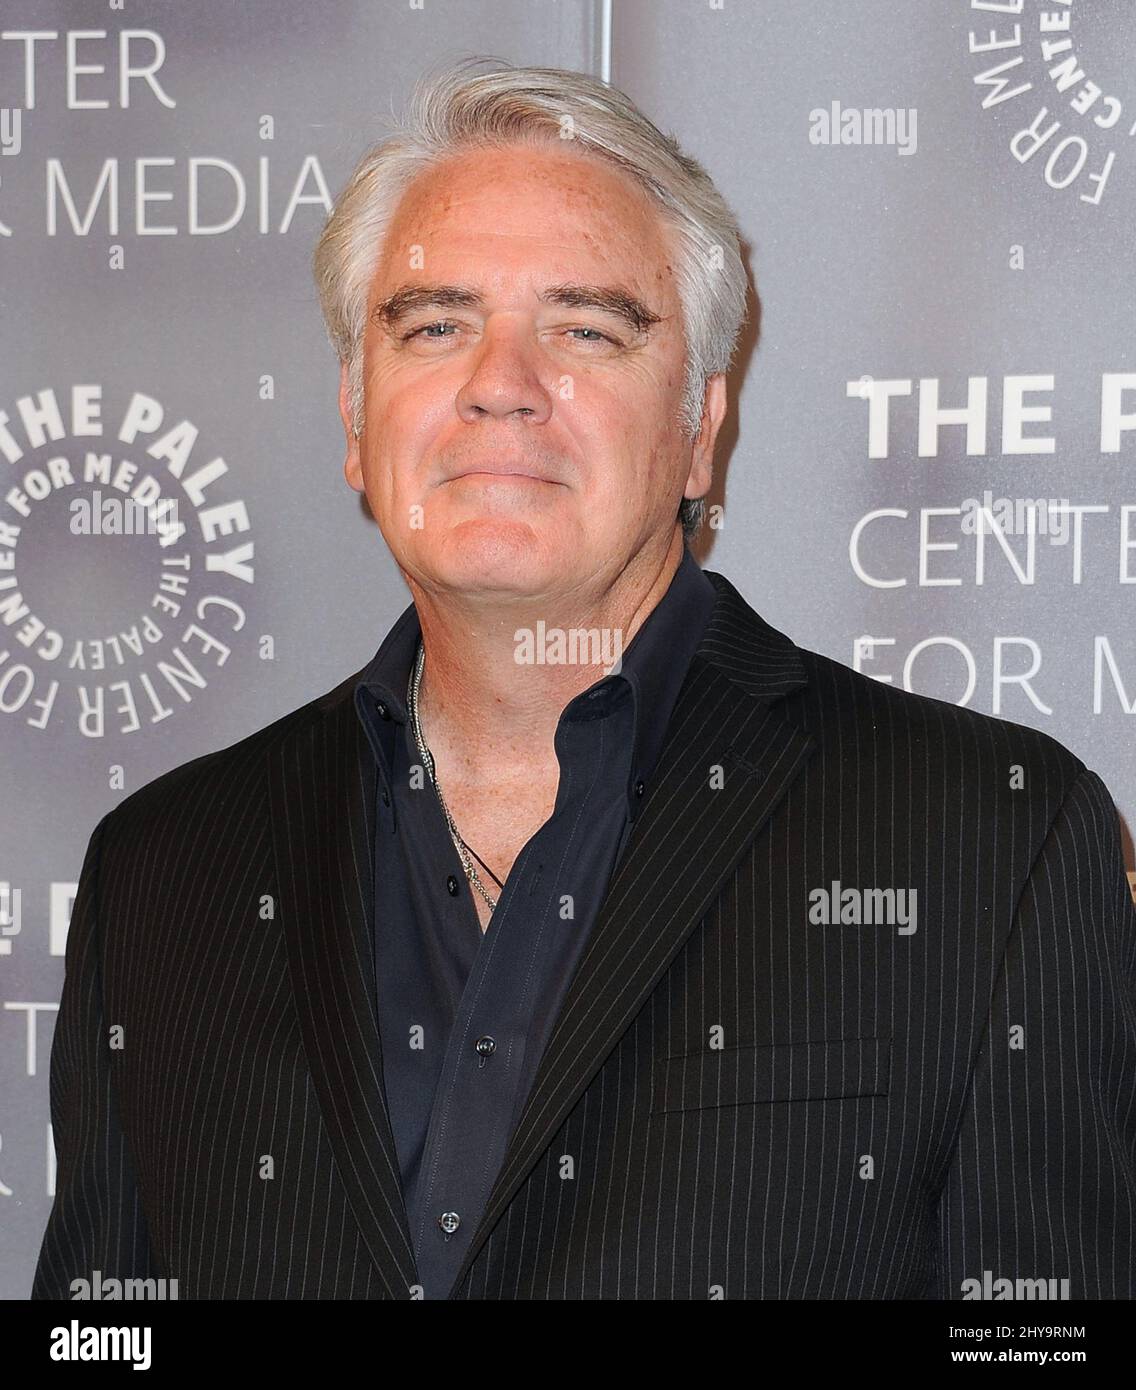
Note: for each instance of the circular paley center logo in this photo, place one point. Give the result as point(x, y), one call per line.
point(126, 563)
point(1059, 68)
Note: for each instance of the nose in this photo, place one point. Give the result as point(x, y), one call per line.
point(504, 378)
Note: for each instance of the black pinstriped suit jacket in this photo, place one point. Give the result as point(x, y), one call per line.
point(735, 1102)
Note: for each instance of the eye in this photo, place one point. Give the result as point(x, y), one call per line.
point(424, 331)
point(598, 338)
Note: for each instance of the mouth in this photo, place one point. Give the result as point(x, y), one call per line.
point(502, 475)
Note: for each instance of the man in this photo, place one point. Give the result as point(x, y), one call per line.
point(676, 962)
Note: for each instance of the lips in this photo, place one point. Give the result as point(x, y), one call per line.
point(503, 472)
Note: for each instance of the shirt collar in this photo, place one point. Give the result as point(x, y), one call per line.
point(654, 666)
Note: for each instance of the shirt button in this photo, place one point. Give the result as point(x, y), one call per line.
point(449, 1222)
point(485, 1047)
point(452, 886)
point(384, 713)
point(639, 788)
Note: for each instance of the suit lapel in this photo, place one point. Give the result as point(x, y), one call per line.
point(322, 782)
point(691, 832)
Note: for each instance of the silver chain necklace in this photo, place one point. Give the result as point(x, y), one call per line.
point(464, 853)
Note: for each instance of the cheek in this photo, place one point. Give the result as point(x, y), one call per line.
point(401, 444)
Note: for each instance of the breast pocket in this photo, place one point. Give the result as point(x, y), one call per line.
point(832, 1069)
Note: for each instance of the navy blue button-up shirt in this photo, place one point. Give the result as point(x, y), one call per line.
point(464, 1016)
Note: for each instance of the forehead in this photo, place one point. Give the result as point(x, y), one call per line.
point(553, 212)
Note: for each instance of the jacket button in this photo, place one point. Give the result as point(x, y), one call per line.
point(640, 787)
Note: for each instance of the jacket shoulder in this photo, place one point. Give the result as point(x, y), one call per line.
point(208, 779)
point(935, 734)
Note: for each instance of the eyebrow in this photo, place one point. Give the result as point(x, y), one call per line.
point(609, 299)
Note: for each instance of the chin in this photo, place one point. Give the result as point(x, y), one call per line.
point(496, 553)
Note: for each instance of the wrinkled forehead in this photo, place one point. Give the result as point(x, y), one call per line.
point(542, 210)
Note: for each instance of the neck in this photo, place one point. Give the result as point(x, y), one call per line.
point(489, 720)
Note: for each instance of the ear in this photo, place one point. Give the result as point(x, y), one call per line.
point(353, 463)
point(714, 403)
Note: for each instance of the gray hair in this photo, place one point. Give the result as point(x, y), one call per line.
point(461, 108)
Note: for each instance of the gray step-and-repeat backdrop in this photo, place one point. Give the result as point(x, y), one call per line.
point(930, 474)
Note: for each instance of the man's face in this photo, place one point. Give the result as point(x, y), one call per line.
point(480, 357)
